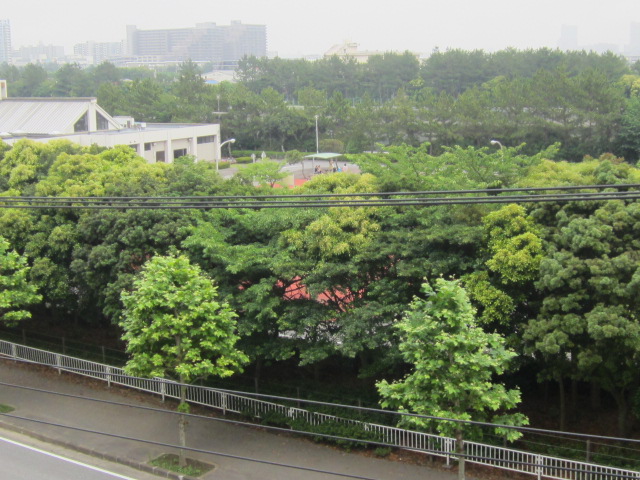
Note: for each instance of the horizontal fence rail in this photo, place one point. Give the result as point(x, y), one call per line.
point(540, 466)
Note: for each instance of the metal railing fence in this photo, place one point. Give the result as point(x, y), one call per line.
point(540, 466)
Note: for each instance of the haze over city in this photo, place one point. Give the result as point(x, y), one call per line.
point(298, 28)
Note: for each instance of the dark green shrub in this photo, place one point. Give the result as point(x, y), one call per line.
point(275, 419)
point(382, 451)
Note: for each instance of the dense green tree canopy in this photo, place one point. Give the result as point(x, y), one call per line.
point(16, 292)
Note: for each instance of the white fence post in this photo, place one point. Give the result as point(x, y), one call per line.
point(539, 466)
point(496, 457)
point(58, 364)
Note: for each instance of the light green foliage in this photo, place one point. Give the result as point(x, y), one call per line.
point(513, 252)
point(405, 168)
point(175, 326)
point(293, 156)
point(16, 292)
point(454, 364)
point(27, 162)
point(514, 244)
point(263, 173)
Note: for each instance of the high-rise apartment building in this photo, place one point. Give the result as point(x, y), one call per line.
point(98, 52)
point(634, 37)
point(207, 42)
point(38, 54)
point(5, 41)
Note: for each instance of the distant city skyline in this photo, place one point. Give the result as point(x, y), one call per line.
point(296, 28)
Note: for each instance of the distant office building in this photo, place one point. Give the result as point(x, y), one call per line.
point(98, 52)
point(38, 54)
point(239, 40)
point(207, 42)
point(568, 38)
point(634, 39)
point(5, 41)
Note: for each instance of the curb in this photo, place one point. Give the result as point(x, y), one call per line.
point(144, 467)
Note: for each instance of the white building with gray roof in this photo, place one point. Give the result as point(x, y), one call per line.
point(83, 121)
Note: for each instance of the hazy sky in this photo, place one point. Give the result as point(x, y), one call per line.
point(297, 27)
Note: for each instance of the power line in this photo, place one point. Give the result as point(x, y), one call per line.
point(325, 200)
point(337, 405)
point(541, 468)
point(322, 435)
point(190, 449)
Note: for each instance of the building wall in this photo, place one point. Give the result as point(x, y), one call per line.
point(98, 52)
point(207, 42)
point(154, 142)
point(38, 54)
point(5, 41)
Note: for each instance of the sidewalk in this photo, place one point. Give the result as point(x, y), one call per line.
point(202, 433)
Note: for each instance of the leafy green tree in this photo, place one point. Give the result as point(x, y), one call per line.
point(263, 172)
point(147, 101)
point(106, 72)
point(454, 363)
point(505, 290)
point(588, 328)
point(176, 327)
point(16, 292)
point(190, 92)
point(33, 82)
point(628, 136)
point(72, 81)
point(293, 157)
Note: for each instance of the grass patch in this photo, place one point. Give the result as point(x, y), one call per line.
point(6, 408)
point(170, 462)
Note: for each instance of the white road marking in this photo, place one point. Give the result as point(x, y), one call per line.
point(115, 475)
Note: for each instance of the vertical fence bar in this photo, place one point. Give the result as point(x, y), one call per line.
point(504, 458)
point(539, 467)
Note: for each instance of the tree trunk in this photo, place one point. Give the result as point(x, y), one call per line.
point(258, 372)
point(595, 396)
point(563, 404)
point(623, 415)
point(574, 400)
point(460, 451)
point(182, 425)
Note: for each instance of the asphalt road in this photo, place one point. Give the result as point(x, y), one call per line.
point(238, 452)
point(24, 462)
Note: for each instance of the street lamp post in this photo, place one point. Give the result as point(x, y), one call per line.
point(496, 142)
point(231, 140)
point(317, 144)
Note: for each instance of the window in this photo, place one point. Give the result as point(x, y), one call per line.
point(82, 125)
point(207, 139)
point(181, 152)
point(103, 123)
point(147, 146)
point(160, 157)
